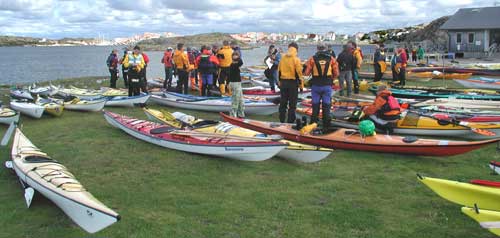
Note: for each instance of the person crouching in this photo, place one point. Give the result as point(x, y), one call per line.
point(237, 100)
point(385, 110)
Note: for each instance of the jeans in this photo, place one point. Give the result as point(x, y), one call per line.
point(345, 77)
point(288, 100)
point(321, 96)
point(183, 82)
point(237, 100)
point(206, 82)
point(355, 80)
point(168, 78)
point(378, 72)
point(273, 80)
point(114, 77)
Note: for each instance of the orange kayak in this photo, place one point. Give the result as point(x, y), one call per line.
point(440, 76)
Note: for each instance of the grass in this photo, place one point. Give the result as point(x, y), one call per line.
point(165, 193)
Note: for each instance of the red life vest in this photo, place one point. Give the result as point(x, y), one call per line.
point(167, 59)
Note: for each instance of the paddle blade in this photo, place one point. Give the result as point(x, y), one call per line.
point(8, 134)
point(483, 132)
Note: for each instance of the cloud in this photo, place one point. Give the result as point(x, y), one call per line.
point(118, 18)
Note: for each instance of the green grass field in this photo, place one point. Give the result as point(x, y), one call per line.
point(165, 193)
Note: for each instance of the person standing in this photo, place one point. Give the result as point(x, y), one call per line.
point(144, 81)
point(324, 69)
point(346, 63)
point(290, 80)
point(125, 69)
point(331, 51)
point(379, 65)
point(237, 100)
point(402, 61)
point(358, 56)
point(420, 53)
point(225, 58)
point(414, 55)
point(215, 50)
point(167, 62)
point(181, 63)
point(193, 74)
point(135, 63)
point(394, 58)
point(207, 65)
point(272, 61)
point(112, 63)
point(236, 48)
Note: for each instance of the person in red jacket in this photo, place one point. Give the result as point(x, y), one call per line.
point(207, 64)
point(144, 87)
point(169, 66)
point(403, 60)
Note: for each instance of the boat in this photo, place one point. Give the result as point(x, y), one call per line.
point(232, 147)
point(27, 108)
point(21, 94)
point(388, 76)
point(473, 71)
point(8, 116)
point(261, 83)
point(112, 92)
point(88, 94)
point(460, 103)
point(481, 82)
point(77, 104)
point(440, 75)
point(263, 92)
point(294, 151)
point(51, 107)
point(412, 123)
point(495, 166)
point(223, 104)
point(126, 101)
point(487, 219)
point(465, 194)
point(38, 172)
point(44, 91)
point(349, 139)
point(430, 93)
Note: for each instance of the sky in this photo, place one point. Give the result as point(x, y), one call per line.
point(122, 18)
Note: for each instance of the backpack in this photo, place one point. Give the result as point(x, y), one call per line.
point(322, 60)
point(206, 66)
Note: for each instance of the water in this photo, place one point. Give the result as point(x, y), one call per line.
point(37, 64)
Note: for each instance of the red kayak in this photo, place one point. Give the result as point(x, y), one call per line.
point(488, 72)
point(467, 118)
point(352, 140)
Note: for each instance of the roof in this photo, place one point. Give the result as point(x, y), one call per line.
point(474, 18)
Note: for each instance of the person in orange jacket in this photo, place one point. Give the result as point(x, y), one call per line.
point(183, 67)
point(167, 62)
point(207, 65)
point(290, 81)
point(324, 69)
point(384, 110)
point(358, 55)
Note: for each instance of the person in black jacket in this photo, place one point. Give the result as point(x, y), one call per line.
point(237, 100)
point(346, 62)
point(378, 61)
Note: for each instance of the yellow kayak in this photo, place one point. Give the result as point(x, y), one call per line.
point(441, 76)
point(51, 107)
point(465, 194)
point(294, 151)
point(487, 219)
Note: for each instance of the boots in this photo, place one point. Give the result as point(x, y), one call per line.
point(315, 113)
point(222, 88)
point(325, 107)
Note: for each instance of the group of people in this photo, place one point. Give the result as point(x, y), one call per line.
point(134, 64)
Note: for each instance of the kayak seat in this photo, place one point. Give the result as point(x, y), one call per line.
point(410, 139)
point(38, 159)
point(485, 183)
point(161, 130)
point(204, 123)
point(411, 119)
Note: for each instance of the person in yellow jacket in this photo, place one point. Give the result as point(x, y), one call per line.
point(290, 80)
point(134, 62)
point(358, 56)
point(181, 63)
point(224, 55)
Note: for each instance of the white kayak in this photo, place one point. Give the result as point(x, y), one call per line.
point(215, 105)
point(38, 172)
point(260, 83)
point(481, 82)
point(461, 103)
point(27, 108)
point(125, 101)
point(85, 105)
point(7, 116)
point(21, 94)
point(45, 91)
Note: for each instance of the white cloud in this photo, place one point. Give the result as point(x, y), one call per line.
point(62, 18)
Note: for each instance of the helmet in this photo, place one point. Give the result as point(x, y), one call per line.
point(367, 128)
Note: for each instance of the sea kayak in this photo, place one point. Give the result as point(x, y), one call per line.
point(465, 194)
point(495, 166)
point(351, 140)
point(38, 172)
point(44, 91)
point(461, 104)
point(473, 71)
point(487, 219)
point(440, 75)
point(294, 151)
point(126, 101)
point(27, 108)
point(486, 83)
point(430, 93)
point(77, 104)
point(7, 116)
point(51, 107)
point(256, 107)
point(21, 94)
point(239, 148)
point(88, 94)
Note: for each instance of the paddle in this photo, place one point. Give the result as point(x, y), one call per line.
point(443, 122)
point(8, 134)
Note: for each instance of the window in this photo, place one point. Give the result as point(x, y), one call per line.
point(459, 38)
point(470, 38)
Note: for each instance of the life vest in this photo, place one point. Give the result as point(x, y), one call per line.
point(134, 60)
point(167, 59)
point(146, 58)
point(391, 107)
point(191, 57)
point(206, 66)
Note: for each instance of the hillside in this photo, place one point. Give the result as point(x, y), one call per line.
point(31, 41)
point(192, 40)
point(18, 41)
